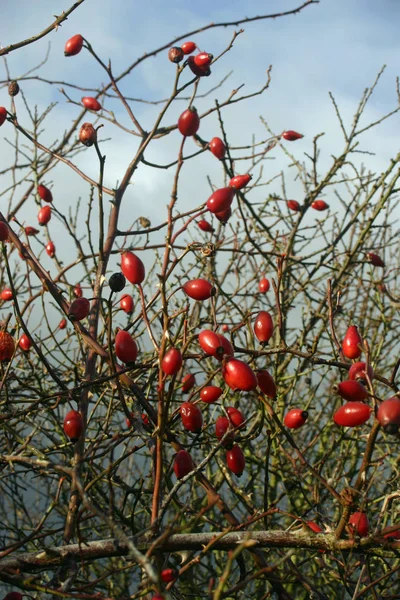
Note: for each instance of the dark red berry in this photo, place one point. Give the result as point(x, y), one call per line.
point(79, 309)
point(188, 382)
point(189, 122)
point(44, 193)
point(125, 347)
point(224, 215)
point(351, 390)
point(294, 205)
point(196, 70)
point(73, 425)
point(291, 136)
point(266, 383)
point(375, 260)
point(4, 231)
point(358, 372)
point(168, 575)
point(191, 416)
point(31, 230)
point(217, 147)
point(222, 424)
point(183, 464)
point(235, 460)
point(205, 226)
point(235, 416)
point(73, 45)
point(388, 415)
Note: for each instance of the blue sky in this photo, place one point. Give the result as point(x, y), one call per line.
point(336, 46)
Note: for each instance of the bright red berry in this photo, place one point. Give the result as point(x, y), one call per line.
point(358, 372)
point(222, 424)
point(388, 415)
point(352, 414)
point(358, 524)
point(158, 597)
point(266, 383)
point(319, 205)
point(294, 205)
point(263, 285)
point(205, 226)
point(189, 122)
point(73, 425)
point(313, 526)
point(6, 294)
point(375, 260)
point(44, 215)
point(188, 47)
point(235, 416)
point(183, 464)
point(126, 304)
point(295, 418)
point(125, 347)
point(191, 416)
point(44, 193)
point(203, 59)
point(210, 394)
point(263, 327)
point(25, 343)
point(3, 231)
point(62, 324)
point(50, 249)
point(291, 136)
point(235, 460)
point(132, 267)
point(351, 390)
point(199, 289)
point(188, 382)
point(240, 181)
point(220, 200)
point(77, 291)
point(168, 575)
point(79, 309)
point(239, 376)
point(73, 45)
point(3, 115)
point(172, 361)
point(217, 147)
point(351, 343)
point(91, 103)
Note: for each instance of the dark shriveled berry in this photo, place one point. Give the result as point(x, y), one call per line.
point(13, 88)
point(175, 54)
point(117, 282)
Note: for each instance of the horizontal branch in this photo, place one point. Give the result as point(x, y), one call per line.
point(54, 557)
